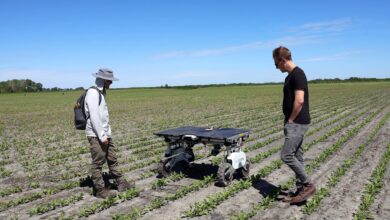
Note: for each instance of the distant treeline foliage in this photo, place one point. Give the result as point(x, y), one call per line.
point(335, 80)
point(27, 85)
point(351, 79)
point(23, 85)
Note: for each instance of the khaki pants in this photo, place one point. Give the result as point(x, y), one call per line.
point(100, 154)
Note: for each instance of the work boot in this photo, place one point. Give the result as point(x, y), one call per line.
point(308, 190)
point(124, 185)
point(289, 196)
point(104, 193)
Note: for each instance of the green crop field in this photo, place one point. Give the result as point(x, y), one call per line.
point(44, 161)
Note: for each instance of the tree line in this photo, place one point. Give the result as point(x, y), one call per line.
point(351, 79)
point(16, 85)
point(27, 85)
point(335, 80)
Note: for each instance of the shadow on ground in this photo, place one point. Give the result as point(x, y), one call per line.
point(109, 182)
point(267, 189)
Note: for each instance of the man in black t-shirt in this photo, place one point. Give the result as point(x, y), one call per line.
point(296, 122)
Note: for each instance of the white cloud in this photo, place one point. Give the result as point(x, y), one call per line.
point(327, 26)
point(292, 40)
point(338, 56)
point(307, 35)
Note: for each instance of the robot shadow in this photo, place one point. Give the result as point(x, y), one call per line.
point(199, 171)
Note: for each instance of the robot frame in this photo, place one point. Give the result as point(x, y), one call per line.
point(180, 142)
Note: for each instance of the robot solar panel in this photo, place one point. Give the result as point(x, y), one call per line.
point(202, 132)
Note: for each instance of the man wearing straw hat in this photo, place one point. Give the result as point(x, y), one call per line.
point(98, 132)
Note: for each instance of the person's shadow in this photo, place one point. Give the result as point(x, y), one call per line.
point(267, 189)
point(109, 182)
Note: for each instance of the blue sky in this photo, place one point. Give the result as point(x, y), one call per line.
point(152, 43)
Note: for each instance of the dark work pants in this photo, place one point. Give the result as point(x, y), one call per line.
point(100, 154)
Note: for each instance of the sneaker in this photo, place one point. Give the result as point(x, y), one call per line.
point(308, 190)
point(105, 193)
point(124, 185)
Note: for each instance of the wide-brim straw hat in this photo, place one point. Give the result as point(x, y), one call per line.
point(105, 74)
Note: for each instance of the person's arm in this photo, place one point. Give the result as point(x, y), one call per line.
point(92, 102)
point(297, 106)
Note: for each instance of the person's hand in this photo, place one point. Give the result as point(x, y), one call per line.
point(106, 142)
point(290, 121)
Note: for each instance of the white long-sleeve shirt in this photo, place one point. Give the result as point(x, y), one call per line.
point(98, 121)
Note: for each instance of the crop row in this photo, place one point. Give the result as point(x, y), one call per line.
point(271, 198)
point(37, 195)
point(153, 202)
point(57, 156)
point(76, 152)
point(16, 203)
point(373, 187)
point(56, 159)
point(68, 163)
point(311, 131)
point(335, 177)
point(43, 208)
point(161, 203)
point(205, 206)
point(133, 158)
point(266, 154)
point(264, 171)
point(33, 195)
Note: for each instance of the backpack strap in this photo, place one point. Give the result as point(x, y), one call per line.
point(100, 98)
point(100, 93)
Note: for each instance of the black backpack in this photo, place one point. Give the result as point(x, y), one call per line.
point(80, 118)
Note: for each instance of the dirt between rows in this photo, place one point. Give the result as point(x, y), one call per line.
point(147, 195)
point(43, 166)
point(255, 167)
point(381, 207)
point(345, 196)
point(262, 188)
point(19, 174)
point(21, 211)
point(174, 209)
point(18, 170)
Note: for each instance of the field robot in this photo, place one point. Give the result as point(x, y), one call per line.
point(180, 143)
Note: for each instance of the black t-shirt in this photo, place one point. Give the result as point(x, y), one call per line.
point(296, 80)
